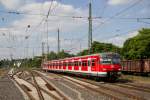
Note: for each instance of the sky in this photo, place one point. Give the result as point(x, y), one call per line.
point(23, 24)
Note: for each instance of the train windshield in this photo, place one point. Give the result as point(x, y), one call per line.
point(110, 58)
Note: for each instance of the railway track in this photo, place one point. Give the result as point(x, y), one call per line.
point(35, 90)
point(35, 78)
point(135, 87)
point(94, 88)
point(50, 87)
point(102, 88)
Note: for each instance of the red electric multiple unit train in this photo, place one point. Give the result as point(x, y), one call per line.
point(96, 65)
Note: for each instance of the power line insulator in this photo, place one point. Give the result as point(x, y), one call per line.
point(28, 26)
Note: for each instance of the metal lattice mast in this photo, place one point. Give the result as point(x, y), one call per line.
point(58, 41)
point(90, 29)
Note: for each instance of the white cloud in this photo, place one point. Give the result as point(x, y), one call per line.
point(54, 22)
point(119, 40)
point(66, 24)
point(118, 2)
point(12, 4)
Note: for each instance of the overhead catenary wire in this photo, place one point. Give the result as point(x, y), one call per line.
point(104, 8)
point(82, 17)
point(75, 17)
point(119, 13)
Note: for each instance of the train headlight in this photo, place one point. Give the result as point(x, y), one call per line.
point(104, 69)
point(112, 66)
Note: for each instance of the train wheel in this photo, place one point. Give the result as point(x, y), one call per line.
point(113, 79)
point(97, 79)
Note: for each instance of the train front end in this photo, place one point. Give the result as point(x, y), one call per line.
point(110, 63)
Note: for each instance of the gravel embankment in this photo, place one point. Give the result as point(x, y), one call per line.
point(8, 90)
point(76, 92)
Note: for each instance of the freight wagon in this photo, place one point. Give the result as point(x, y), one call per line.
point(136, 66)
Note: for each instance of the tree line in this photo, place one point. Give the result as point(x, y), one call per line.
point(137, 47)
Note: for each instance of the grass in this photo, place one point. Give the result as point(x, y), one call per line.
point(1, 72)
point(141, 79)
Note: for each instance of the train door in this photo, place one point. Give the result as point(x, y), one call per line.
point(93, 65)
point(89, 65)
point(76, 66)
point(84, 65)
point(67, 65)
point(73, 64)
point(80, 65)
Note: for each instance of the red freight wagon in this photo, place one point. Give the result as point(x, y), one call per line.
point(141, 66)
point(99, 65)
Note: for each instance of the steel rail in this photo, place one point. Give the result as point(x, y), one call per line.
point(93, 89)
point(37, 86)
point(25, 90)
point(107, 88)
point(116, 90)
point(140, 88)
point(46, 80)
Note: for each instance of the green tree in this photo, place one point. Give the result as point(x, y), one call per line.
point(98, 47)
point(64, 54)
point(52, 55)
point(84, 52)
point(137, 47)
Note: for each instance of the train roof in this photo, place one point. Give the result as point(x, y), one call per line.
point(84, 56)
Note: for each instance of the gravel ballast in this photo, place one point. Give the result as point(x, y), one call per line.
point(74, 90)
point(8, 90)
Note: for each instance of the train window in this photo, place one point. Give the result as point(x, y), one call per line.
point(69, 64)
point(66, 63)
point(59, 64)
point(89, 63)
point(76, 63)
point(93, 62)
point(79, 63)
point(110, 59)
point(106, 61)
point(84, 63)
